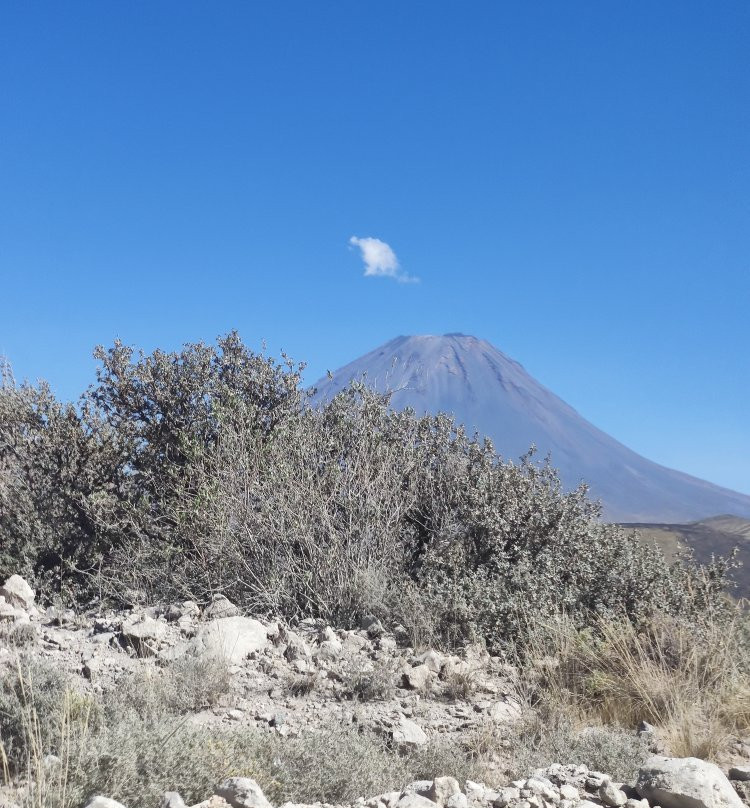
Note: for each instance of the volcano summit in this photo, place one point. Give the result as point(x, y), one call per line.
point(489, 392)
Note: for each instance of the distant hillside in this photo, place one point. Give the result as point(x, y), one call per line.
point(491, 393)
point(716, 535)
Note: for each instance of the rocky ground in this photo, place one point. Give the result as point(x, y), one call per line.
point(292, 680)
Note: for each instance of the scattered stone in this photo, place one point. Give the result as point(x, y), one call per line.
point(433, 660)
point(417, 678)
point(685, 783)
point(459, 800)
point(569, 792)
point(741, 773)
point(442, 789)
point(242, 792)
point(143, 634)
point(411, 799)
point(506, 796)
point(10, 614)
point(92, 668)
point(172, 800)
point(610, 795)
point(408, 734)
point(296, 648)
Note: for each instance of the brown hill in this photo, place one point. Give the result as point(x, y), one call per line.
point(718, 536)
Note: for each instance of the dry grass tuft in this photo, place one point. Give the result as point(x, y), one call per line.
point(690, 681)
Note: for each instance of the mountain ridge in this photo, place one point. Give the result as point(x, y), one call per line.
point(492, 393)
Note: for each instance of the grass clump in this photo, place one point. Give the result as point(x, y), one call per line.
point(691, 682)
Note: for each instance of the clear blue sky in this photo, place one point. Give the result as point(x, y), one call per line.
point(570, 181)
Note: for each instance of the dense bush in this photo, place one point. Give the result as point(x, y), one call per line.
point(183, 474)
point(59, 467)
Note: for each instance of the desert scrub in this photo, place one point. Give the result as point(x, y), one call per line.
point(205, 470)
point(187, 685)
point(537, 743)
point(33, 697)
point(375, 682)
point(690, 681)
point(135, 758)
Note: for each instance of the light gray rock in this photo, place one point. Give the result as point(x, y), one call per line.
point(242, 792)
point(418, 787)
point(410, 799)
point(475, 792)
point(442, 789)
point(459, 800)
point(741, 773)
point(506, 796)
point(11, 614)
point(685, 783)
point(328, 650)
point(610, 795)
point(220, 606)
point(18, 593)
point(103, 802)
point(543, 788)
point(432, 659)
point(230, 638)
point(144, 634)
point(408, 734)
point(172, 800)
point(296, 648)
point(505, 712)
point(417, 678)
point(569, 792)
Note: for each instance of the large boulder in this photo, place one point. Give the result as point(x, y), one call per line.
point(10, 614)
point(685, 783)
point(18, 593)
point(242, 792)
point(103, 802)
point(230, 638)
point(417, 678)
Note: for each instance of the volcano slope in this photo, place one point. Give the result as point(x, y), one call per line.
point(491, 393)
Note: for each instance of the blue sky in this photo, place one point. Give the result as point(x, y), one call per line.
point(570, 181)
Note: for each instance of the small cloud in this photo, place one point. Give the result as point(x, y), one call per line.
point(380, 260)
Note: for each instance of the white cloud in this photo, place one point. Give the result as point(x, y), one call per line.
point(380, 260)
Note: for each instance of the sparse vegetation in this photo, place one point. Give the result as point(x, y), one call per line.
point(183, 475)
point(136, 749)
point(541, 742)
point(375, 682)
point(200, 471)
point(692, 682)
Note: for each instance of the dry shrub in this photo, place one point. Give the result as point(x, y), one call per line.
point(370, 682)
point(539, 742)
point(461, 684)
point(135, 751)
point(690, 681)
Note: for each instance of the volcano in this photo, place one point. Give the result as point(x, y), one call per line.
point(489, 392)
